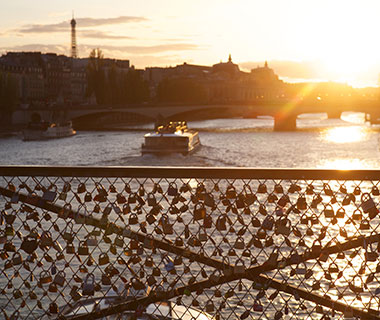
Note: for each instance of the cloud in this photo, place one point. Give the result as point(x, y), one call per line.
point(114, 50)
point(101, 35)
point(81, 23)
point(153, 49)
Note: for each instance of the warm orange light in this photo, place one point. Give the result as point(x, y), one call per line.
point(344, 134)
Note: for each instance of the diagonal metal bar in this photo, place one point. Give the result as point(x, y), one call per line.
point(251, 273)
point(266, 282)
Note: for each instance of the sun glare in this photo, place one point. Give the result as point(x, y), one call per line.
point(343, 164)
point(344, 134)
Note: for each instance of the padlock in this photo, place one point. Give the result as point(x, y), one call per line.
point(83, 248)
point(221, 223)
point(172, 189)
point(119, 241)
point(257, 306)
point(16, 258)
point(66, 211)
point(133, 219)
point(89, 285)
point(301, 203)
point(50, 194)
point(283, 226)
point(328, 211)
point(278, 188)
point(230, 192)
point(199, 211)
point(262, 188)
point(45, 277)
point(262, 209)
point(357, 215)
point(375, 191)
point(53, 308)
point(52, 287)
point(137, 284)
point(364, 225)
point(333, 268)
point(368, 205)
point(202, 236)
point(239, 266)
point(209, 307)
point(60, 278)
point(151, 199)
point(239, 243)
point(268, 223)
point(9, 217)
point(17, 294)
point(103, 259)
point(340, 213)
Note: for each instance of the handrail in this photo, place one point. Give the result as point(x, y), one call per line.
point(190, 172)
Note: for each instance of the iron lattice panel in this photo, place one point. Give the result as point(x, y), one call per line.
point(233, 247)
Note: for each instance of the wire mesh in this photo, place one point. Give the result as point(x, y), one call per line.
point(99, 244)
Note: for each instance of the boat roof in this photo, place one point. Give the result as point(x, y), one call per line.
point(174, 134)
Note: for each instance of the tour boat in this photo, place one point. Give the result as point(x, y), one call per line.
point(174, 137)
point(44, 130)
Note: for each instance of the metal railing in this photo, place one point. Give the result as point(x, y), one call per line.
point(234, 243)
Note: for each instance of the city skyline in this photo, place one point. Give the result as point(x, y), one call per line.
point(310, 40)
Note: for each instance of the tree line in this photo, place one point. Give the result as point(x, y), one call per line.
point(111, 86)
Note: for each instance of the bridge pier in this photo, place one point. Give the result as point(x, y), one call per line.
point(285, 122)
point(334, 114)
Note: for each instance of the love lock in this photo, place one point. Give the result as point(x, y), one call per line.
point(172, 189)
point(60, 278)
point(45, 277)
point(268, 223)
point(29, 244)
point(89, 285)
point(151, 199)
point(333, 268)
point(133, 219)
point(16, 258)
point(239, 267)
point(364, 225)
point(209, 307)
point(283, 226)
point(239, 243)
point(221, 223)
point(199, 211)
point(9, 217)
point(301, 203)
point(83, 248)
point(257, 306)
point(262, 188)
point(103, 259)
point(328, 211)
point(368, 205)
point(278, 188)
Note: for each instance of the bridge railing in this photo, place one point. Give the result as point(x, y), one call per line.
point(235, 243)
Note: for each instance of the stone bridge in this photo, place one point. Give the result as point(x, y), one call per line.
point(284, 113)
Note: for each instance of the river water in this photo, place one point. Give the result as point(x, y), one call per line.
point(318, 143)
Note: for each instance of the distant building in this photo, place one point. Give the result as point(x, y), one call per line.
point(223, 82)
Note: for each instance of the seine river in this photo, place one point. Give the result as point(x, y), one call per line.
point(318, 143)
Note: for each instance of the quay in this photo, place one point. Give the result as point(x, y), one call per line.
point(236, 243)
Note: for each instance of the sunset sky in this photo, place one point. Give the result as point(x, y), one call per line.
point(301, 39)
